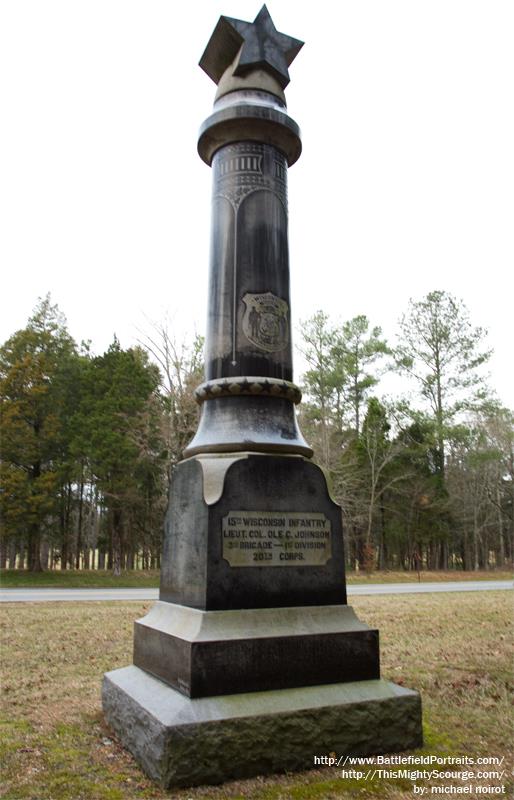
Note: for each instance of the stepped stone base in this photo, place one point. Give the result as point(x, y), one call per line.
point(206, 653)
point(181, 741)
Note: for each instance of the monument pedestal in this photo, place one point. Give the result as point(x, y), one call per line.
point(232, 682)
point(251, 662)
point(250, 530)
point(181, 741)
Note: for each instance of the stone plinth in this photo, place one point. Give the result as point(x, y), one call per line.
point(184, 742)
point(209, 653)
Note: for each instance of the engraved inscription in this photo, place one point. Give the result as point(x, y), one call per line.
point(276, 539)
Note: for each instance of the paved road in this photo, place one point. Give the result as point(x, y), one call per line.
point(48, 595)
point(443, 586)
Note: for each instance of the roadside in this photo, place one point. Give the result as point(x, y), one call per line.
point(51, 595)
point(149, 579)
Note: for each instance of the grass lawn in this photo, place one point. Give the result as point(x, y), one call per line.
point(455, 648)
point(78, 579)
point(100, 579)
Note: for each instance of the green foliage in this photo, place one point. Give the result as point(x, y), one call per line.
point(440, 347)
point(343, 368)
point(441, 350)
point(88, 441)
point(118, 431)
point(341, 359)
point(390, 470)
point(356, 351)
point(79, 434)
point(33, 363)
point(116, 387)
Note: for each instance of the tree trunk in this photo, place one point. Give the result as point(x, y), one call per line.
point(110, 548)
point(45, 552)
point(383, 555)
point(466, 556)
point(356, 402)
point(117, 542)
point(64, 537)
point(444, 555)
point(33, 548)
point(67, 523)
point(501, 540)
point(434, 554)
point(12, 549)
point(34, 532)
point(475, 540)
point(3, 553)
point(79, 525)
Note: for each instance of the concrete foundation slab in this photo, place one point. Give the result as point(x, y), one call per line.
point(181, 741)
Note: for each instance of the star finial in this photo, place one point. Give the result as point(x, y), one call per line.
point(261, 46)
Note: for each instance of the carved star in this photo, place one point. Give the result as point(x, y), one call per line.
point(261, 46)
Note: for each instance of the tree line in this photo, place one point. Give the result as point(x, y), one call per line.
point(88, 442)
point(87, 445)
point(425, 479)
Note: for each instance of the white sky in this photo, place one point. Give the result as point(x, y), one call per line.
point(406, 182)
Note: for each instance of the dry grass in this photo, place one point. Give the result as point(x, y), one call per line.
point(387, 576)
point(455, 648)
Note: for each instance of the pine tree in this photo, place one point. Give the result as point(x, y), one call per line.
point(31, 362)
point(356, 350)
point(119, 437)
point(442, 351)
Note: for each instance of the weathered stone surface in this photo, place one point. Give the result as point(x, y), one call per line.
point(194, 571)
point(249, 319)
point(256, 44)
point(253, 542)
point(204, 653)
point(184, 742)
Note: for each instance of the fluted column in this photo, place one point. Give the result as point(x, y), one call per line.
point(248, 397)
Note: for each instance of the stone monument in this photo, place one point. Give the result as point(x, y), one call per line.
point(251, 661)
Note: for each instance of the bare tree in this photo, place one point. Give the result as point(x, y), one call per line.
point(181, 366)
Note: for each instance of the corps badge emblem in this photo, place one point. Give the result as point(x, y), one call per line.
point(265, 321)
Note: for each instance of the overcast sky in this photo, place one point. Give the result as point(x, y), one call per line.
point(406, 182)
